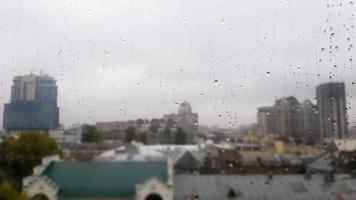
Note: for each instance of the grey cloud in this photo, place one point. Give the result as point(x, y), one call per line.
point(128, 59)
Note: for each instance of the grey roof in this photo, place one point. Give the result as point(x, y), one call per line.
point(252, 158)
point(246, 145)
point(291, 159)
point(199, 155)
point(255, 187)
point(178, 153)
point(324, 163)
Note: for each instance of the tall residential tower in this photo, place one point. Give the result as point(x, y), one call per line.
point(331, 103)
point(33, 104)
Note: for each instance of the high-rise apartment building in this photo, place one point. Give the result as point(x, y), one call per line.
point(331, 104)
point(33, 104)
point(287, 109)
point(309, 122)
point(267, 121)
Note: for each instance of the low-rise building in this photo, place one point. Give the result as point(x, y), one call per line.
point(56, 179)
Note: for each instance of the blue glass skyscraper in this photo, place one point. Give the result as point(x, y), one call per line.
point(33, 104)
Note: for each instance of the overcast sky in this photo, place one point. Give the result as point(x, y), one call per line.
point(128, 59)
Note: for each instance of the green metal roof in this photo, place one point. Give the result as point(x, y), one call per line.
point(103, 179)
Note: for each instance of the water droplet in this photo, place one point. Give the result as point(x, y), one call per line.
point(322, 49)
point(216, 82)
point(268, 73)
point(351, 3)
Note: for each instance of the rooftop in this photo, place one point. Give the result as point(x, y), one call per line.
point(281, 187)
point(103, 179)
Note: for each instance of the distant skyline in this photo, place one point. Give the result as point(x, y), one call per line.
point(129, 59)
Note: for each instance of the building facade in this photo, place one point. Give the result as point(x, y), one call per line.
point(331, 104)
point(186, 119)
point(288, 116)
point(33, 104)
point(282, 118)
point(309, 122)
point(267, 121)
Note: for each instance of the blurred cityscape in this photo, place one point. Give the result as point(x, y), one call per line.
point(296, 149)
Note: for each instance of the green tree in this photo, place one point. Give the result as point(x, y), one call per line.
point(167, 132)
point(90, 134)
point(130, 135)
point(154, 125)
point(180, 136)
point(18, 155)
point(143, 137)
point(7, 192)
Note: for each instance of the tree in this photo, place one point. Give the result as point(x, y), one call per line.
point(167, 134)
point(90, 134)
point(7, 192)
point(18, 155)
point(143, 137)
point(130, 134)
point(180, 136)
point(154, 125)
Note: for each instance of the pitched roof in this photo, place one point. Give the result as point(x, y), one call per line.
point(103, 179)
point(280, 187)
point(186, 162)
point(324, 163)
